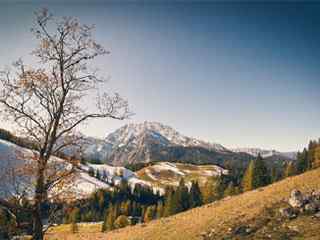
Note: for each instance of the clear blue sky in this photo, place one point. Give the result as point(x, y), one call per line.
point(240, 74)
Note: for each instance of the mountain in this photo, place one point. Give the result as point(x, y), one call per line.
point(153, 141)
point(129, 135)
point(266, 153)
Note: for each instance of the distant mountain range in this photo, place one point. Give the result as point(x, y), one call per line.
point(266, 153)
point(153, 141)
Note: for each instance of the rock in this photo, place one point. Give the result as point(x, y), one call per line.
point(294, 228)
point(296, 199)
point(317, 215)
point(288, 213)
point(316, 194)
point(242, 230)
point(310, 207)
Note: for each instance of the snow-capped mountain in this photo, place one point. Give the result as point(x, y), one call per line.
point(144, 142)
point(265, 153)
point(130, 134)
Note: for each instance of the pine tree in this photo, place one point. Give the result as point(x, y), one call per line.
point(195, 196)
point(108, 223)
point(160, 209)
point(170, 207)
point(302, 161)
point(247, 181)
point(289, 170)
point(181, 197)
point(75, 216)
point(274, 175)
point(316, 159)
point(91, 171)
point(261, 173)
point(311, 153)
point(209, 190)
point(230, 190)
point(98, 176)
point(104, 175)
point(256, 175)
point(149, 214)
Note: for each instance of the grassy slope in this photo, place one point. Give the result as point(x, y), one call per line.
point(168, 177)
point(220, 215)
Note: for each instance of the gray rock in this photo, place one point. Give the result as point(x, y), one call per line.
point(242, 230)
point(316, 193)
point(296, 199)
point(317, 215)
point(310, 207)
point(288, 213)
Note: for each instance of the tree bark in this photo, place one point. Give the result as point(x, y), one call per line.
point(39, 198)
point(37, 233)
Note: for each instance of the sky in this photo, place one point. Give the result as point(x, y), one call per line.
point(242, 74)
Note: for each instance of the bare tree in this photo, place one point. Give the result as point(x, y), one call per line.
point(45, 102)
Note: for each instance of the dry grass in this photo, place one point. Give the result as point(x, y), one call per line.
point(220, 215)
point(166, 177)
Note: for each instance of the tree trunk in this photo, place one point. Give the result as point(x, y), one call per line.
point(37, 233)
point(38, 202)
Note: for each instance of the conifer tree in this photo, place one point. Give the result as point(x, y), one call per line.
point(104, 175)
point(181, 197)
point(149, 214)
point(230, 190)
point(108, 223)
point(160, 209)
point(74, 227)
point(261, 173)
point(273, 175)
point(311, 153)
point(98, 176)
point(316, 159)
point(289, 170)
point(302, 161)
point(75, 216)
point(247, 181)
point(195, 196)
point(256, 175)
point(170, 203)
point(91, 171)
point(209, 190)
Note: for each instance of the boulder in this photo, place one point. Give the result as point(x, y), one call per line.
point(316, 194)
point(242, 230)
point(296, 199)
point(311, 207)
point(288, 213)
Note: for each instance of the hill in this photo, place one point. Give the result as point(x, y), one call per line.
point(14, 156)
point(255, 207)
point(155, 176)
point(166, 173)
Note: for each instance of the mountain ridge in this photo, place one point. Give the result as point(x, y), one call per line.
point(154, 141)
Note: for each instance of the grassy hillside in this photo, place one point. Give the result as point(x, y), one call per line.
point(255, 207)
point(165, 173)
